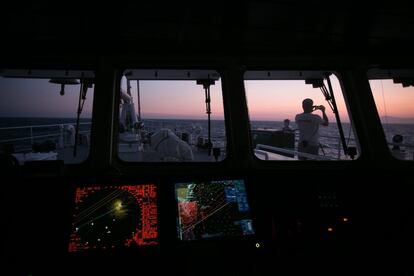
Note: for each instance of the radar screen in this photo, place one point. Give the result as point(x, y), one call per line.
point(212, 209)
point(107, 217)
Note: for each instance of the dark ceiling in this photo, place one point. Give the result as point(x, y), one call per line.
point(313, 26)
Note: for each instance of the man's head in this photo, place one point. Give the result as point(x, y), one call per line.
point(397, 138)
point(286, 122)
point(307, 105)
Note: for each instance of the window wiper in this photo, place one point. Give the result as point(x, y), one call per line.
point(330, 98)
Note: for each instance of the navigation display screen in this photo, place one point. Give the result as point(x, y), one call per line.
point(212, 209)
point(108, 217)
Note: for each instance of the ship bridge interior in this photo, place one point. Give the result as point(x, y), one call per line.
point(247, 208)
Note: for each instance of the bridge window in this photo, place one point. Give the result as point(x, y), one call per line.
point(285, 126)
point(171, 116)
point(393, 92)
point(39, 114)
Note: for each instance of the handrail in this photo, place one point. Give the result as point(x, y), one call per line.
point(262, 152)
point(40, 126)
point(55, 133)
point(294, 152)
point(36, 137)
point(401, 144)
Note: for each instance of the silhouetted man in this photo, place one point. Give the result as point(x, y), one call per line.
point(308, 125)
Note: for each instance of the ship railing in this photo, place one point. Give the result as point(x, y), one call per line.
point(263, 149)
point(406, 148)
point(58, 134)
point(338, 144)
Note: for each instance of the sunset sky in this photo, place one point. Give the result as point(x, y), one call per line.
point(39, 98)
point(279, 100)
point(267, 99)
point(393, 100)
point(178, 99)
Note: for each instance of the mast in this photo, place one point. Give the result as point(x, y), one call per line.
point(206, 85)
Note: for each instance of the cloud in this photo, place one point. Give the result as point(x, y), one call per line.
point(397, 120)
